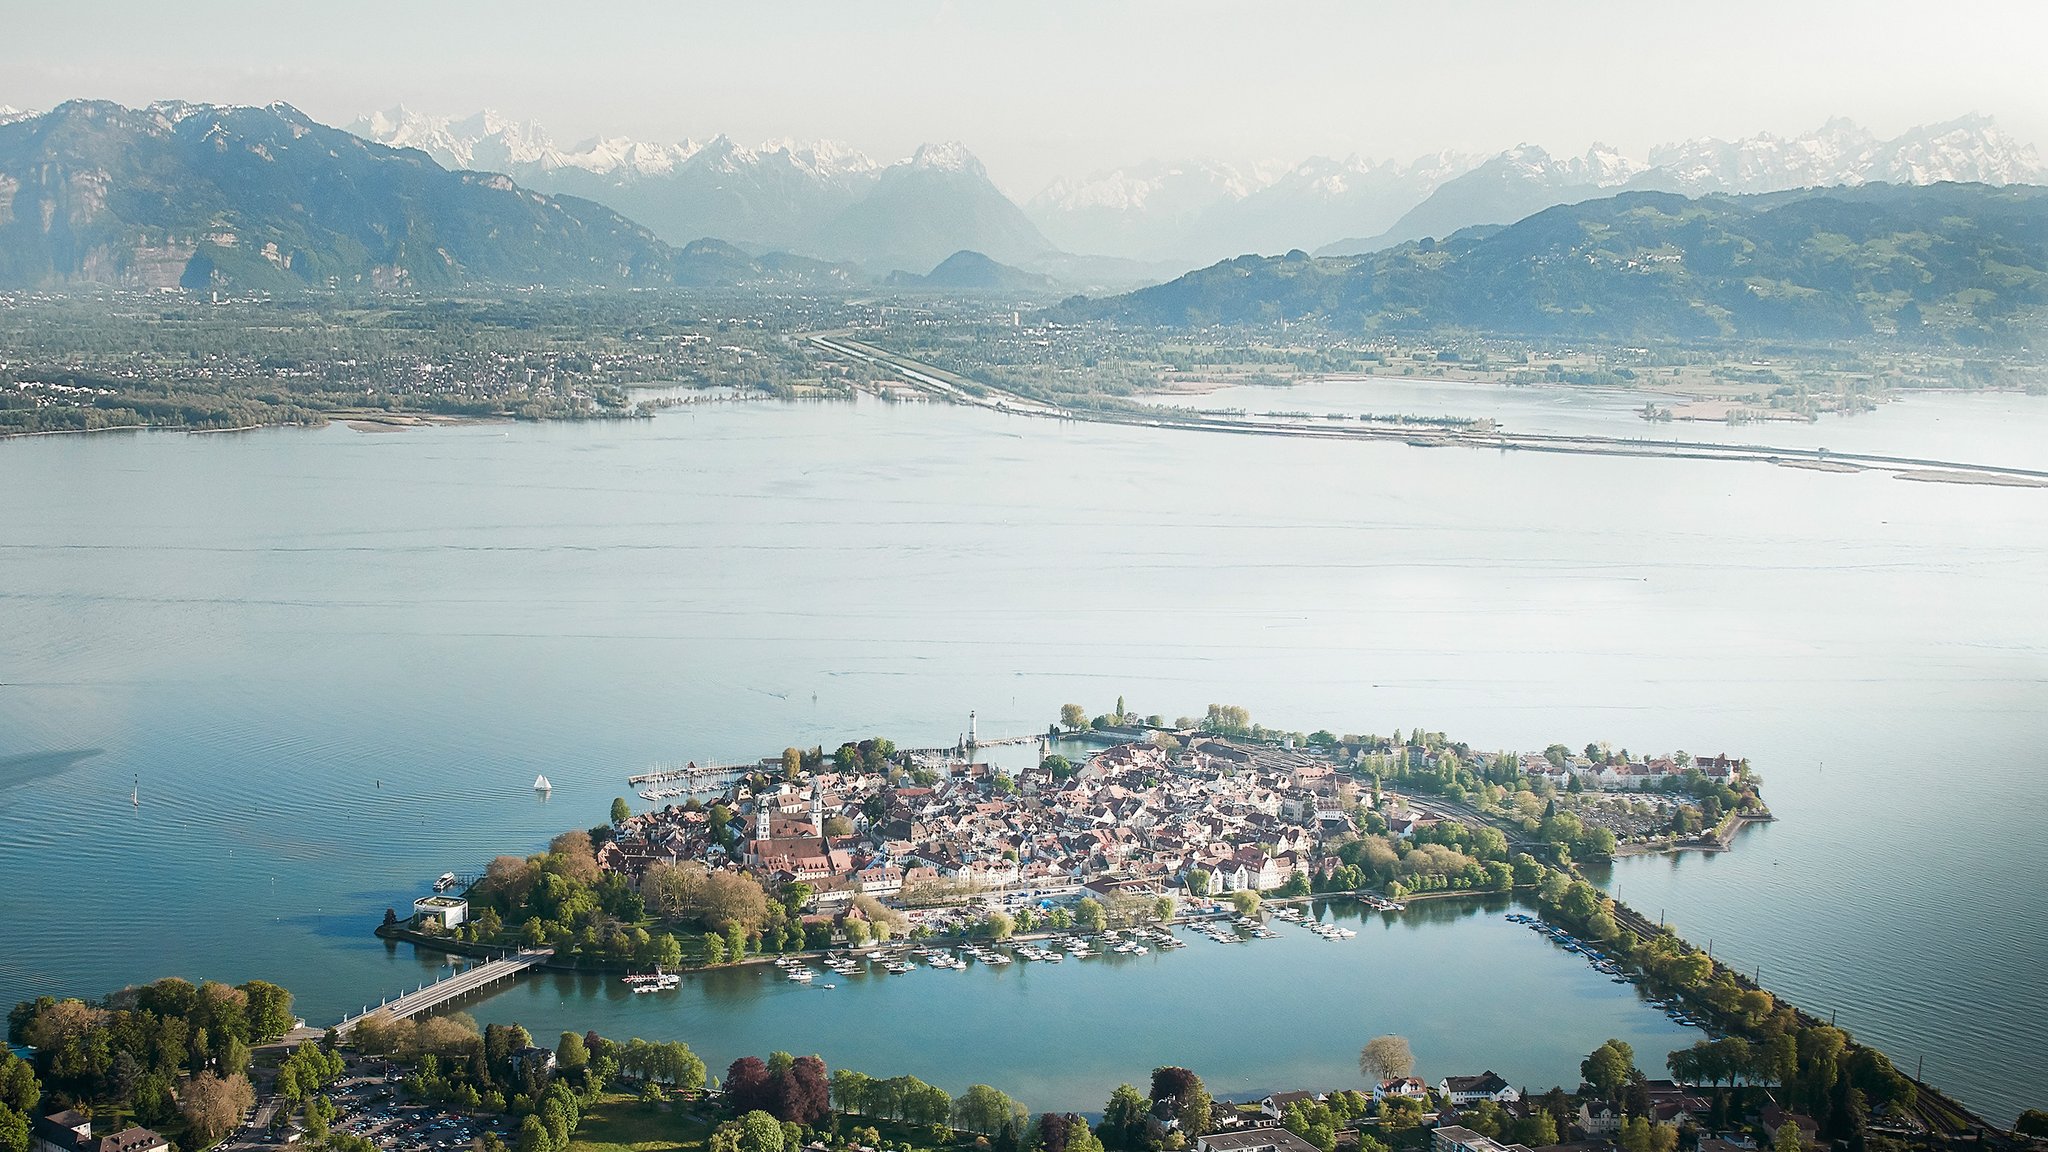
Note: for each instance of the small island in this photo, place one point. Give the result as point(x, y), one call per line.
point(875, 842)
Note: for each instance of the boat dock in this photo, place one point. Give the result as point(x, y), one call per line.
point(694, 772)
point(462, 983)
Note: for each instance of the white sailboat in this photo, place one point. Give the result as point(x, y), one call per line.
point(540, 784)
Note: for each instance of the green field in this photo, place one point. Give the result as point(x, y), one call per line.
point(620, 1123)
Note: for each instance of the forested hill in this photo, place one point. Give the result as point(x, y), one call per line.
point(206, 196)
point(1963, 263)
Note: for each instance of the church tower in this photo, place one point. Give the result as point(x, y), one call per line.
point(818, 809)
point(761, 812)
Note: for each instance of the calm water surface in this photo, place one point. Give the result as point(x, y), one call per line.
point(333, 663)
point(2002, 428)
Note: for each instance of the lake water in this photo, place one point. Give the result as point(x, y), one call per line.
point(333, 663)
point(2001, 428)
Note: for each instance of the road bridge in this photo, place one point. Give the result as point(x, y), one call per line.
point(458, 984)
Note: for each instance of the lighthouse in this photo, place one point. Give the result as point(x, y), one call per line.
point(971, 741)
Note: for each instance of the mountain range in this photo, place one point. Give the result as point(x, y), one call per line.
point(832, 201)
point(1527, 179)
point(206, 196)
point(1961, 263)
point(820, 198)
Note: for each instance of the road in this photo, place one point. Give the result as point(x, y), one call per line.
point(941, 384)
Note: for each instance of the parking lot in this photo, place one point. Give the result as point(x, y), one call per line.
point(369, 1104)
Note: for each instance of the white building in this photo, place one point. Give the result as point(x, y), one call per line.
point(1488, 1085)
point(446, 911)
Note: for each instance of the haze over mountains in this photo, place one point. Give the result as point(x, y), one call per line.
point(832, 201)
point(1527, 179)
point(1950, 263)
point(818, 198)
point(204, 196)
point(241, 197)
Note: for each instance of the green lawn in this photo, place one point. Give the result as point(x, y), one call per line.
point(620, 1123)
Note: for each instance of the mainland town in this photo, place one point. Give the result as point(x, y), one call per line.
point(1114, 834)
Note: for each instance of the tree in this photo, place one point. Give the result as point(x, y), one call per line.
point(1073, 716)
point(2032, 1122)
point(1609, 1067)
point(1001, 925)
point(1198, 882)
point(800, 1089)
point(1639, 1134)
point(1385, 1058)
point(1399, 1113)
point(533, 1136)
point(571, 1053)
point(213, 1106)
point(1245, 901)
point(1090, 915)
point(1183, 1094)
point(19, 1088)
point(1538, 1130)
point(269, 1009)
point(1123, 1118)
point(714, 948)
point(730, 899)
point(851, 1090)
point(985, 1109)
point(1786, 1138)
point(13, 1130)
point(748, 1085)
point(1227, 720)
point(620, 810)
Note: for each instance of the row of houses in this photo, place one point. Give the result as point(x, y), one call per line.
point(1248, 815)
point(1669, 1103)
point(1622, 775)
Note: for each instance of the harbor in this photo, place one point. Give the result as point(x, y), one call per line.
point(1501, 996)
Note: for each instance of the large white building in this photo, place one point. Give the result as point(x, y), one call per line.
point(447, 911)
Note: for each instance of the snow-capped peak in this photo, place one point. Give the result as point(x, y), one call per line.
point(490, 141)
point(9, 114)
point(1175, 186)
point(826, 159)
point(948, 156)
point(1971, 148)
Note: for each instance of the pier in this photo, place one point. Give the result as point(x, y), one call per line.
point(462, 983)
point(671, 783)
point(694, 771)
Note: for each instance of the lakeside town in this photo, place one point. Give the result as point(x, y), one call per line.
point(877, 859)
point(873, 840)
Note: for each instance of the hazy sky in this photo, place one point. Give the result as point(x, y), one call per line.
point(1045, 88)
